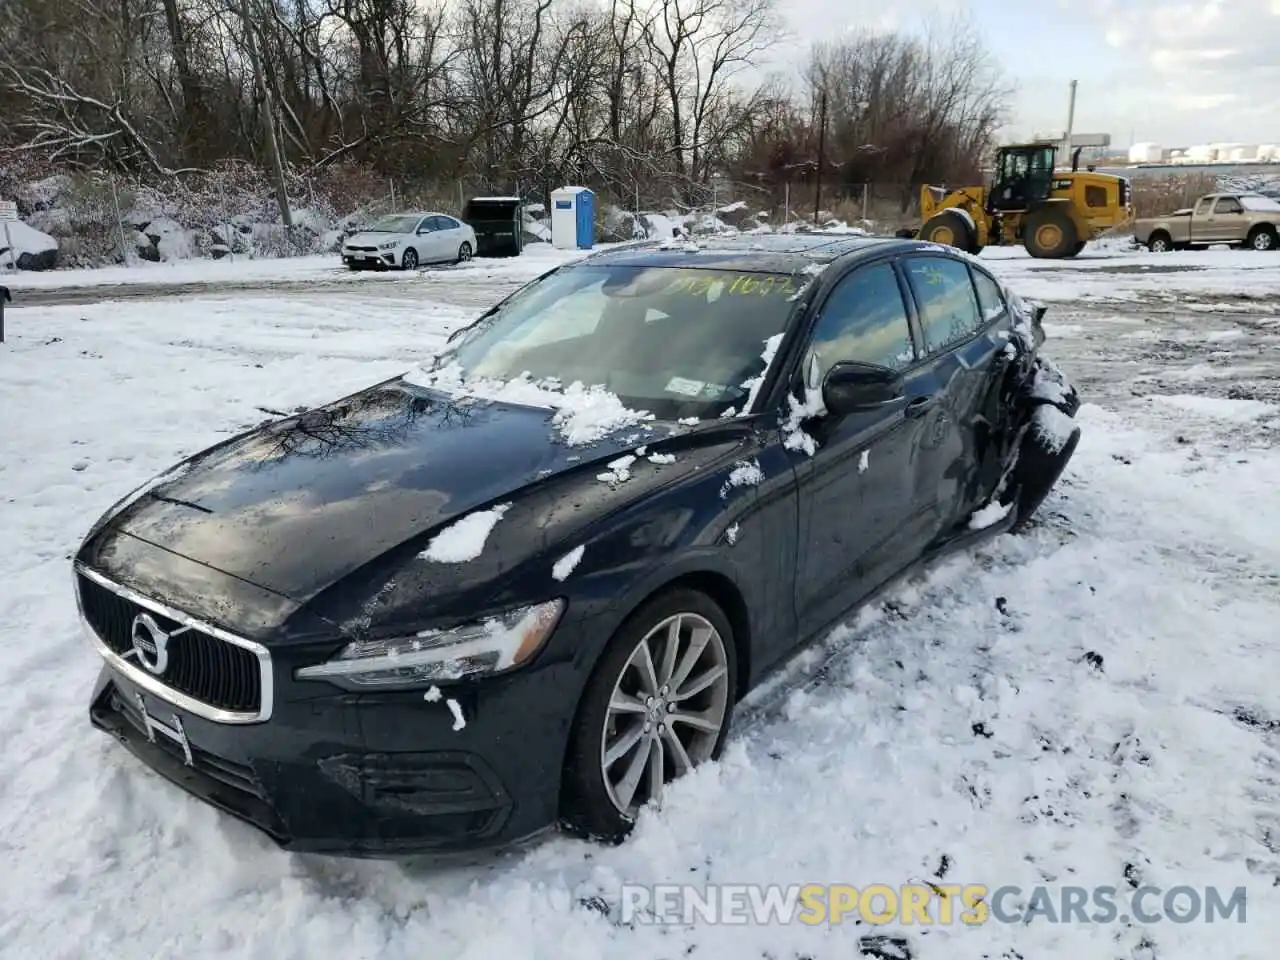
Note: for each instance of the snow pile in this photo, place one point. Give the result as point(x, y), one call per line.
point(989, 515)
point(568, 563)
point(434, 695)
point(583, 414)
point(745, 473)
point(798, 411)
point(464, 540)
point(753, 385)
point(1239, 410)
point(1052, 427)
point(619, 471)
point(31, 249)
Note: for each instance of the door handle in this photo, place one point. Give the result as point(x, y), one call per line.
point(919, 406)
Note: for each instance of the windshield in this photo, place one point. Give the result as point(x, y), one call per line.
point(395, 225)
point(675, 342)
point(1252, 201)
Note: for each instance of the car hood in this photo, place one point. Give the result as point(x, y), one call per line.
point(297, 504)
point(372, 239)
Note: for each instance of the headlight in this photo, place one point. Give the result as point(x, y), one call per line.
point(389, 245)
point(491, 646)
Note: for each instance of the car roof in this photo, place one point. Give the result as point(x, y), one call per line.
point(768, 253)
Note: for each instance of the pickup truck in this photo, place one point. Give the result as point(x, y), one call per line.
point(1241, 219)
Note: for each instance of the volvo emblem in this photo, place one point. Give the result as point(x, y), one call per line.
point(150, 643)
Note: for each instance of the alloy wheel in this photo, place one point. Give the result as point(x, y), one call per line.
point(410, 260)
point(464, 253)
point(1262, 241)
point(666, 711)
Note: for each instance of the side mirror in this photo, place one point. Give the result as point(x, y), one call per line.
point(852, 387)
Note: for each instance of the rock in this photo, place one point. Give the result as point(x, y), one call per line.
point(32, 249)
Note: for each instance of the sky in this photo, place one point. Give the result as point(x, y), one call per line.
point(1173, 73)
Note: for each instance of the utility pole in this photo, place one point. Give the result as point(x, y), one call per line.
point(1071, 120)
point(269, 117)
point(822, 149)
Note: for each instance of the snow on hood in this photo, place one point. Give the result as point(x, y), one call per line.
point(583, 414)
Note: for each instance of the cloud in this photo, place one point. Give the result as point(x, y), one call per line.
point(1210, 57)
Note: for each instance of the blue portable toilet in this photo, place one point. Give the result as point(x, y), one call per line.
point(573, 218)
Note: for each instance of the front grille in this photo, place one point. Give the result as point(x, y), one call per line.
point(201, 666)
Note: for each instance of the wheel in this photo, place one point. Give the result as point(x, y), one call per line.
point(354, 265)
point(1042, 456)
point(409, 260)
point(950, 229)
point(1079, 248)
point(464, 253)
point(1261, 237)
point(658, 704)
point(1050, 234)
point(1160, 242)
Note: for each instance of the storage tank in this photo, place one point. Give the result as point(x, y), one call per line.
point(1202, 153)
point(1269, 153)
point(1242, 154)
point(1146, 153)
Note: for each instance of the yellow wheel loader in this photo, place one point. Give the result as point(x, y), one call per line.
point(1050, 212)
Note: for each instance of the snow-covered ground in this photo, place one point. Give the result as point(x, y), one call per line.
point(1093, 703)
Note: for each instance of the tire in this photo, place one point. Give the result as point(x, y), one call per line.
point(1078, 250)
point(1049, 234)
point(597, 806)
point(353, 266)
point(1262, 238)
point(409, 260)
point(949, 229)
point(464, 253)
point(1040, 465)
point(1160, 242)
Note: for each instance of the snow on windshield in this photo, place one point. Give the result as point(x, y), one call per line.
point(674, 341)
point(1257, 202)
point(395, 225)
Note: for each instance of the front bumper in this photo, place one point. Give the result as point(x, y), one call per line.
point(371, 775)
point(369, 258)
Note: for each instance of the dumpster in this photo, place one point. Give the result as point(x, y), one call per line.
point(498, 223)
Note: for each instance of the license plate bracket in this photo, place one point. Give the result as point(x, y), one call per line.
point(174, 731)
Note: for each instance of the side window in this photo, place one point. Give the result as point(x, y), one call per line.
point(425, 224)
point(1228, 205)
point(444, 223)
point(948, 304)
point(1203, 207)
point(864, 320)
point(990, 299)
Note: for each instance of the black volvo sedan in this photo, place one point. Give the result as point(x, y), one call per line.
point(526, 585)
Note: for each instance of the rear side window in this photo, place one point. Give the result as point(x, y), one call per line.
point(990, 299)
point(945, 294)
point(865, 321)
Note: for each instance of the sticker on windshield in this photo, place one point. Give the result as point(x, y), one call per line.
point(688, 388)
point(745, 284)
